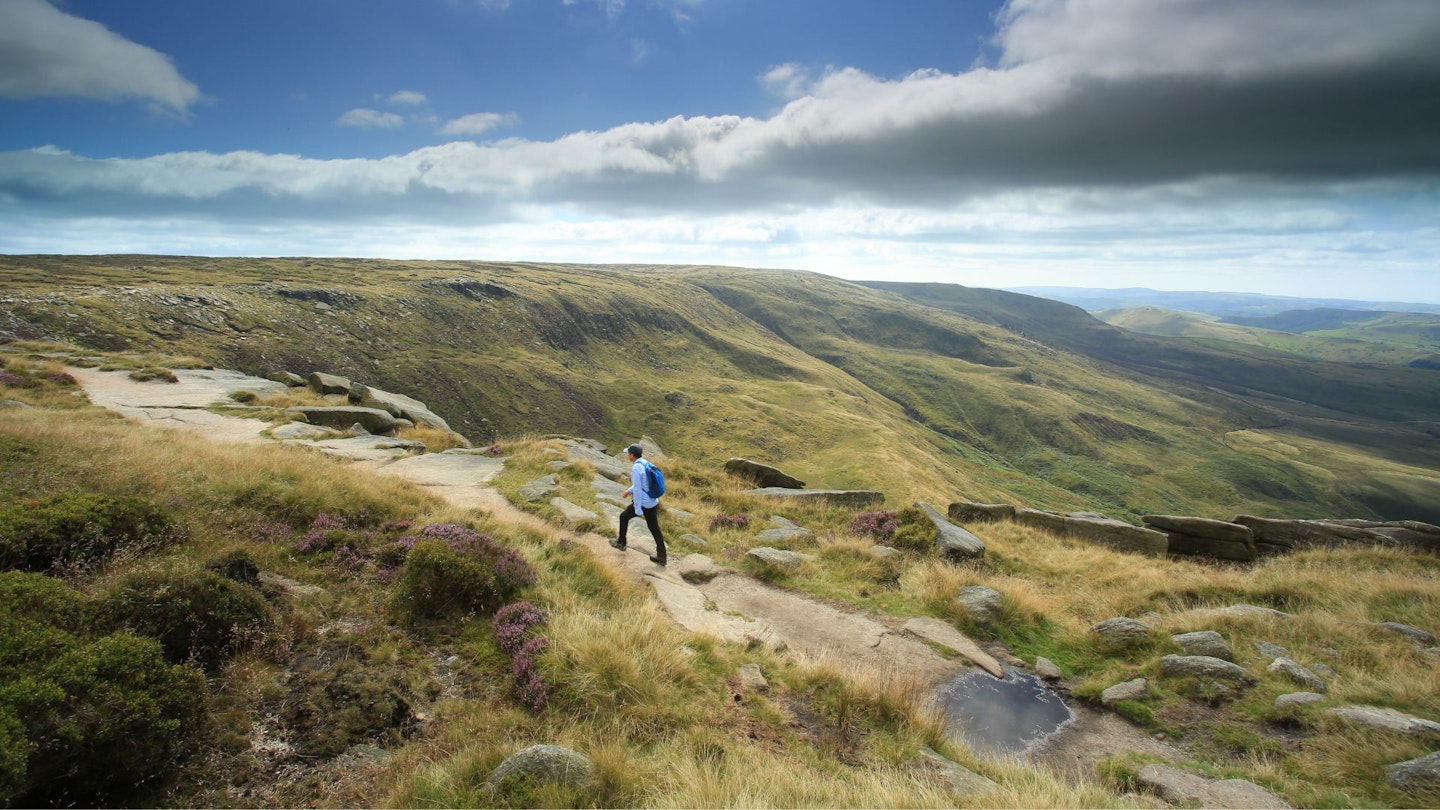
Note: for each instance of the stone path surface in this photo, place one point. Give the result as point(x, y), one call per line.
point(731, 606)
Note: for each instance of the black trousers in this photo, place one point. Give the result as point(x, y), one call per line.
point(652, 522)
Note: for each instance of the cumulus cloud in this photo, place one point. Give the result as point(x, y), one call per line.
point(45, 52)
point(407, 98)
point(789, 81)
point(478, 123)
point(365, 118)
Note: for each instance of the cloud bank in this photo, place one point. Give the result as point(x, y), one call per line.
point(1099, 122)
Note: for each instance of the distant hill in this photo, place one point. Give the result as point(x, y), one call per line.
point(1394, 338)
point(921, 391)
point(1219, 304)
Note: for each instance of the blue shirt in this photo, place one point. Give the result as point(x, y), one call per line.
point(640, 487)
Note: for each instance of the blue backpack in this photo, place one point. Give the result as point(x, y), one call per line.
point(657, 480)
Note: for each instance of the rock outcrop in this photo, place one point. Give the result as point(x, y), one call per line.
point(851, 498)
point(761, 474)
point(954, 543)
point(1202, 537)
point(1283, 536)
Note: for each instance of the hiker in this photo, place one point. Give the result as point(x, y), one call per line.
point(644, 503)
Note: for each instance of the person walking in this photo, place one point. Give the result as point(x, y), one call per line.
point(644, 503)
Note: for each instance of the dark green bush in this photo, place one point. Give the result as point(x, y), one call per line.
point(196, 616)
point(83, 719)
point(75, 528)
point(440, 581)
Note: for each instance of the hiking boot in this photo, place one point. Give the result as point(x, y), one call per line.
point(617, 544)
point(660, 561)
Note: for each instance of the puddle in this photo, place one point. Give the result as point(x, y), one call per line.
point(1002, 716)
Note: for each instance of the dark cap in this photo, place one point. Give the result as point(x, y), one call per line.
point(635, 450)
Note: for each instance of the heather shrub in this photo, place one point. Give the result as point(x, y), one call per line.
point(198, 616)
point(75, 528)
point(454, 570)
point(513, 627)
point(880, 525)
point(915, 532)
point(83, 719)
point(722, 521)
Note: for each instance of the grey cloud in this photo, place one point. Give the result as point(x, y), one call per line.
point(45, 52)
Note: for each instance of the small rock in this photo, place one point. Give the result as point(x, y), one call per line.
point(886, 552)
point(1415, 776)
point(1419, 636)
point(981, 603)
point(1201, 666)
point(540, 488)
point(1137, 689)
point(1047, 669)
point(1298, 699)
point(572, 512)
point(752, 679)
point(696, 568)
point(963, 781)
point(1204, 642)
point(776, 558)
point(545, 764)
point(695, 540)
point(1297, 673)
point(786, 535)
point(1388, 720)
point(1271, 651)
point(1120, 631)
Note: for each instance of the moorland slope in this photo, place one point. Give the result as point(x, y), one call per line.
point(921, 391)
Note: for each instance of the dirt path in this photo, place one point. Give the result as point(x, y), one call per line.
point(730, 606)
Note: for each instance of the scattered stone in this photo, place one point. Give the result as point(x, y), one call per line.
point(981, 603)
point(1186, 789)
point(955, 544)
point(752, 679)
point(290, 379)
point(1414, 633)
point(762, 475)
point(776, 558)
point(963, 781)
point(342, 417)
point(13, 403)
point(300, 431)
point(1298, 674)
point(1138, 689)
point(783, 536)
point(545, 764)
point(1388, 720)
point(603, 464)
point(322, 383)
point(696, 568)
point(1271, 651)
point(1323, 670)
point(1120, 631)
point(849, 498)
point(557, 466)
point(971, 512)
point(1251, 611)
point(886, 552)
point(1298, 699)
point(1205, 642)
point(540, 489)
point(398, 405)
point(1047, 669)
point(573, 513)
point(1201, 666)
point(695, 540)
point(1415, 776)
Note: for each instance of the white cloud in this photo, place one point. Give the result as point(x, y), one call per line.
point(407, 98)
point(478, 123)
point(789, 81)
point(45, 52)
point(365, 118)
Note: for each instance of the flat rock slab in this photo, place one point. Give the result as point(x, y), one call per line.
point(854, 498)
point(687, 606)
point(932, 629)
point(181, 404)
point(1188, 789)
point(818, 631)
point(1388, 720)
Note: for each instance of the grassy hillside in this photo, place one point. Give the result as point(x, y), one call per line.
point(330, 678)
point(1361, 345)
point(931, 392)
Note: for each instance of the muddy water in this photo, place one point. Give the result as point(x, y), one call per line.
point(1006, 716)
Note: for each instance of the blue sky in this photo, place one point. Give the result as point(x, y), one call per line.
point(1288, 147)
